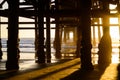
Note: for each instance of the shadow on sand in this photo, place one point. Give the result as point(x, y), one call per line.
point(118, 69)
point(87, 75)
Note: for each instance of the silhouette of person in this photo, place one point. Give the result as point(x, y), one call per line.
point(105, 49)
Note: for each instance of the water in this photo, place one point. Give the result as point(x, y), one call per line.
point(25, 45)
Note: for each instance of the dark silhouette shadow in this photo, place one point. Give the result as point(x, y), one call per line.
point(105, 48)
point(53, 72)
point(86, 74)
point(104, 59)
point(118, 69)
point(8, 74)
point(5, 74)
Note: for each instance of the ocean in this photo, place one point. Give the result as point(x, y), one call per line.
point(25, 45)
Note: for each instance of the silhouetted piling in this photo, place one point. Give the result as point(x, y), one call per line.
point(41, 46)
point(105, 49)
point(12, 51)
point(105, 45)
point(48, 33)
point(57, 33)
point(86, 35)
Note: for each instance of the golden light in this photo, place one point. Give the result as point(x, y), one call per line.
point(114, 30)
point(115, 58)
point(114, 20)
point(71, 35)
point(111, 6)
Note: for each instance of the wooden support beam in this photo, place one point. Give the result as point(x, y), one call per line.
point(12, 43)
point(86, 63)
point(60, 13)
point(105, 44)
point(57, 44)
point(48, 33)
point(41, 46)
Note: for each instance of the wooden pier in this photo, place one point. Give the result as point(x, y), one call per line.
point(77, 16)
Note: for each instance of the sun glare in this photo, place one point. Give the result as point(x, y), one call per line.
point(111, 6)
point(114, 32)
point(113, 20)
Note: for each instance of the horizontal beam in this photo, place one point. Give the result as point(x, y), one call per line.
point(19, 23)
point(24, 28)
point(75, 23)
point(60, 13)
point(60, 22)
point(103, 25)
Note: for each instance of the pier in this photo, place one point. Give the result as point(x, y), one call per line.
point(81, 26)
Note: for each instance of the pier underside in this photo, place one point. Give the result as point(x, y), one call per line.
point(80, 18)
